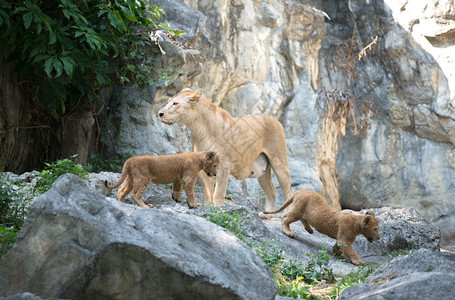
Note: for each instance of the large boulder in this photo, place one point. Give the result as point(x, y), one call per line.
point(78, 244)
point(421, 275)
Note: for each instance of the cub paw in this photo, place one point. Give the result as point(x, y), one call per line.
point(150, 205)
point(264, 216)
point(290, 234)
point(194, 205)
point(357, 262)
point(177, 199)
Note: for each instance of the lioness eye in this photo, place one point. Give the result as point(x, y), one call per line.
point(175, 103)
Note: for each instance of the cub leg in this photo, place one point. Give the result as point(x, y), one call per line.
point(189, 191)
point(125, 189)
point(307, 226)
point(286, 221)
point(347, 249)
point(176, 191)
point(137, 196)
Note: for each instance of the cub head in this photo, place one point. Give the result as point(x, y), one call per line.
point(370, 227)
point(179, 109)
point(211, 163)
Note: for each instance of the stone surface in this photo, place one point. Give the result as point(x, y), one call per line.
point(78, 244)
point(423, 275)
point(270, 56)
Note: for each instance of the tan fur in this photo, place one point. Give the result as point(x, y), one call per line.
point(249, 146)
point(178, 169)
point(312, 210)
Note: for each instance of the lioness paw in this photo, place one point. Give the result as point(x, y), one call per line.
point(194, 205)
point(150, 205)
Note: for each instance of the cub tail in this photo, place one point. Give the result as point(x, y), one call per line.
point(121, 179)
point(282, 207)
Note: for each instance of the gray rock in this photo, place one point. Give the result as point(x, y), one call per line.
point(414, 286)
point(78, 244)
point(421, 275)
point(24, 296)
point(422, 260)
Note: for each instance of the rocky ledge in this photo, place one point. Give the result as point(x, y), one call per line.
point(78, 242)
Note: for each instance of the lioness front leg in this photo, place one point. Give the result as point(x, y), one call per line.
point(189, 191)
point(222, 177)
point(176, 191)
point(207, 186)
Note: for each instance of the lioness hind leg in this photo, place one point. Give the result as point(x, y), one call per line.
point(307, 226)
point(266, 183)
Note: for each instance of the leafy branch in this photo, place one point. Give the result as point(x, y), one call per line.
point(65, 49)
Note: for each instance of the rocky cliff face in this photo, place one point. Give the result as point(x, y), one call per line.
point(272, 56)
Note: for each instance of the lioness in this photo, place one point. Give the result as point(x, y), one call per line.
point(178, 169)
point(311, 209)
point(249, 146)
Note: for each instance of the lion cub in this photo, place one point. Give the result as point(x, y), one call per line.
point(311, 209)
point(178, 169)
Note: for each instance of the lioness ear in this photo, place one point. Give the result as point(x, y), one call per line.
point(370, 213)
point(195, 96)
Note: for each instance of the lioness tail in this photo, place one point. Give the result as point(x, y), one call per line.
point(121, 179)
point(282, 207)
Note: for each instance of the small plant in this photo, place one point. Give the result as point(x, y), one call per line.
point(53, 170)
point(318, 268)
point(351, 279)
point(14, 205)
point(8, 236)
point(99, 163)
point(232, 221)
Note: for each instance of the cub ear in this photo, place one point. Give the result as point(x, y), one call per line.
point(370, 213)
point(367, 220)
point(211, 156)
point(195, 96)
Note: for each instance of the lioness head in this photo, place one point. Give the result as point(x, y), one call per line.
point(211, 163)
point(370, 227)
point(179, 108)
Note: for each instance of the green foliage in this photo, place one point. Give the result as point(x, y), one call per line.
point(53, 170)
point(8, 236)
point(318, 268)
point(64, 48)
point(351, 279)
point(14, 205)
point(99, 163)
point(231, 220)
